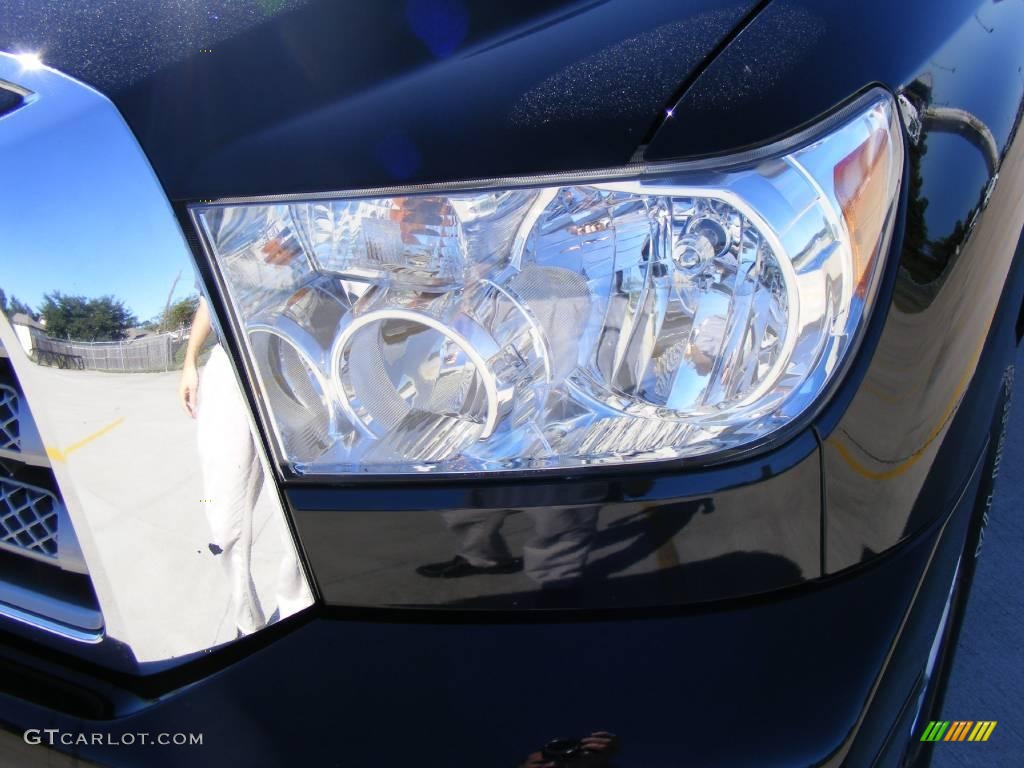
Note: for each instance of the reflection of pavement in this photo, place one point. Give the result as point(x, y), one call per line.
point(144, 487)
point(874, 442)
point(988, 675)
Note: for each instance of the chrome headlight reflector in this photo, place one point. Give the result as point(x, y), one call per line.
point(667, 312)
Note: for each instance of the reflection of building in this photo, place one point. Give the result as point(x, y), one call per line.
point(915, 103)
point(28, 331)
point(963, 123)
point(136, 333)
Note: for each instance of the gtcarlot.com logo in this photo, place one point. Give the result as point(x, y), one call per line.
point(958, 730)
point(54, 737)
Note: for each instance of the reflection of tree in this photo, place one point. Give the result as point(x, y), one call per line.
point(177, 315)
point(80, 319)
point(945, 248)
point(926, 261)
point(917, 229)
point(915, 262)
point(918, 261)
point(180, 313)
point(15, 306)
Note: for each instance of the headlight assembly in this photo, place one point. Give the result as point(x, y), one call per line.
point(606, 318)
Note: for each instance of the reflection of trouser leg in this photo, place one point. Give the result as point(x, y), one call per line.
point(232, 478)
point(561, 541)
point(479, 535)
point(292, 594)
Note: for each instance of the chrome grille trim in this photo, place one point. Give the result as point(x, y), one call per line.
point(116, 449)
point(54, 627)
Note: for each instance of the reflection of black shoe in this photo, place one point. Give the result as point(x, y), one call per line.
point(459, 566)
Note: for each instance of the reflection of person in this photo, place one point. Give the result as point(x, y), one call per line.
point(232, 478)
point(554, 555)
point(593, 751)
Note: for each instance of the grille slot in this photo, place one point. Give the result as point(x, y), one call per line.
point(28, 519)
point(10, 428)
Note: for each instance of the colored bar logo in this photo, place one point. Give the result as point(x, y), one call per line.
point(959, 730)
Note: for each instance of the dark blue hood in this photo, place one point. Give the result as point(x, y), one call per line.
point(274, 96)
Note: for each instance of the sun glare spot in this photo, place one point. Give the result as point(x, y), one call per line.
point(29, 61)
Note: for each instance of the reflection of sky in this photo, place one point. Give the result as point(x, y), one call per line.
point(970, 72)
point(79, 221)
point(92, 262)
point(144, 293)
point(975, 55)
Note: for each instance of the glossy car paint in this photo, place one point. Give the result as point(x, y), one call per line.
point(804, 671)
point(312, 96)
point(795, 674)
point(894, 451)
point(664, 538)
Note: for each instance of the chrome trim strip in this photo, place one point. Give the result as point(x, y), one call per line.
point(53, 627)
point(21, 91)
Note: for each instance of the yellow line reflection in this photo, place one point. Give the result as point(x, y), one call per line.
point(913, 458)
point(56, 454)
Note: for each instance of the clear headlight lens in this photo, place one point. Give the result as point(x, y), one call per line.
point(682, 312)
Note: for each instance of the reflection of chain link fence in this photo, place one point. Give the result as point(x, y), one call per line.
point(159, 352)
